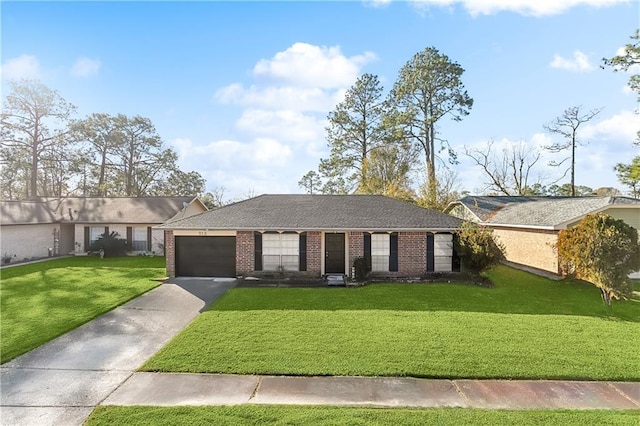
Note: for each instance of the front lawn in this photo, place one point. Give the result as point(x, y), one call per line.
point(41, 301)
point(289, 415)
point(527, 327)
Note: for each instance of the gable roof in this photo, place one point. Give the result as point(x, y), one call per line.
point(319, 212)
point(538, 212)
point(146, 210)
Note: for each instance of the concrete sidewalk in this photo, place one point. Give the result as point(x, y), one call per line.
point(61, 382)
point(168, 389)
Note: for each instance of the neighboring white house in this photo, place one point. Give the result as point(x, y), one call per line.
point(54, 226)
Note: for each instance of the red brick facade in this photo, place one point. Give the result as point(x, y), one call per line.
point(412, 254)
point(245, 252)
point(412, 248)
point(314, 253)
point(356, 247)
point(170, 253)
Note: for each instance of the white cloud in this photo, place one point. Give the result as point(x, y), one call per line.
point(261, 165)
point(233, 155)
point(619, 129)
point(85, 67)
point(279, 97)
point(308, 65)
point(377, 3)
point(24, 66)
point(579, 62)
point(285, 125)
point(535, 8)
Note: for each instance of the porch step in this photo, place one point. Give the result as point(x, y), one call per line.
point(335, 279)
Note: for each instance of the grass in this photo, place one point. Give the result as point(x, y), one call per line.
point(527, 327)
point(41, 301)
point(301, 415)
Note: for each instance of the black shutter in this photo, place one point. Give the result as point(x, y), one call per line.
point(130, 236)
point(257, 247)
point(303, 252)
point(455, 259)
point(393, 252)
point(148, 238)
point(367, 249)
point(106, 231)
point(87, 241)
point(430, 253)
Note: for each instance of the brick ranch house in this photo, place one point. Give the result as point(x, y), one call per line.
point(44, 227)
point(528, 226)
point(311, 235)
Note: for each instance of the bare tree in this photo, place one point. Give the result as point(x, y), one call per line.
point(513, 172)
point(567, 126)
point(447, 189)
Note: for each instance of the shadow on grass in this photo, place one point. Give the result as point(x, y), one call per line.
point(45, 300)
point(515, 292)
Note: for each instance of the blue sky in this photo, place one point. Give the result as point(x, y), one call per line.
point(241, 90)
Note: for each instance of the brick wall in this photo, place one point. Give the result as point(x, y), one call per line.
point(412, 254)
point(314, 253)
point(170, 253)
point(245, 252)
point(530, 247)
point(356, 248)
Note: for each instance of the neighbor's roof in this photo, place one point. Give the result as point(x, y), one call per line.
point(144, 210)
point(319, 212)
point(544, 212)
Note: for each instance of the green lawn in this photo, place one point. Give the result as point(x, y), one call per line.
point(526, 327)
point(41, 301)
point(288, 415)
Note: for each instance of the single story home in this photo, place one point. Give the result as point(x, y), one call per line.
point(44, 227)
point(311, 235)
point(528, 226)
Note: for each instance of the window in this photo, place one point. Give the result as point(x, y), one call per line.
point(139, 239)
point(280, 251)
point(380, 252)
point(95, 233)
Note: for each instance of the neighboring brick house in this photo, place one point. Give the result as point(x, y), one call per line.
point(528, 226)
point(311, 235)
point(56, 226)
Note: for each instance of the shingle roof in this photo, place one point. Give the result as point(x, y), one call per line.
point(538, 211)
point(148, 210)
point(318, 212)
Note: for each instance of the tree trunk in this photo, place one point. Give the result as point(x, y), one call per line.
point(432, 183)
point(33, 189)
point(573, 165)
point(102, 191)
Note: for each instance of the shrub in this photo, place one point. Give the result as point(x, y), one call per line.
point(603, 251)
point(477, 248)
point(363, 267)
point(111, 244)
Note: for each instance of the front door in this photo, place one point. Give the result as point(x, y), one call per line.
point(334, 253)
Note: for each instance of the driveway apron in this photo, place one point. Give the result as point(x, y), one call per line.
point(63, 380)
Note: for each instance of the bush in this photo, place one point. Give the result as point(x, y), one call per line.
point(363, 267)
point(477, 248)
point(110, 244)
point(603, 251)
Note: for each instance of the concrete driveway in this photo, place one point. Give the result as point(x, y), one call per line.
point(62, 381)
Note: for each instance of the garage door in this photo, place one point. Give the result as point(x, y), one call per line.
point(206, 256)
